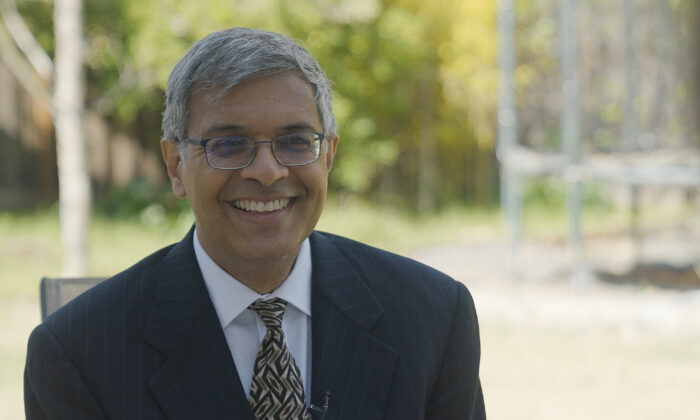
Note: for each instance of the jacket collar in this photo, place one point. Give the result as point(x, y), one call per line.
point(198, 377)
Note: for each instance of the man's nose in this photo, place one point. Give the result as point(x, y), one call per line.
point(265, 169)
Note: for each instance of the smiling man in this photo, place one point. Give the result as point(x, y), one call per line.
point(257, 183)
point(254, 315)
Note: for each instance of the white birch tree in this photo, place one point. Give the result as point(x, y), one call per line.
point(68, 101)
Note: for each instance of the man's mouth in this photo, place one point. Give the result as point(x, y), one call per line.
point(261, 206)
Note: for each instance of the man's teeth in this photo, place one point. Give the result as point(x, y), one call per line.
point(252, 205)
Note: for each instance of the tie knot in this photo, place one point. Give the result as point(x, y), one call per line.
point(271, 311)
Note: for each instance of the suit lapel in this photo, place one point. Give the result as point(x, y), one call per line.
point(198, 378)
point(348, 361)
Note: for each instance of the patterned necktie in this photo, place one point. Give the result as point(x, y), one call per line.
point(276, 391)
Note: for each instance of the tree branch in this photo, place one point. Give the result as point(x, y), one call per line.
point(23, 71)
point(25, 40)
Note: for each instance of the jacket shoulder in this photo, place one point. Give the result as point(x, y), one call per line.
point(382, 269)
point(115, 297)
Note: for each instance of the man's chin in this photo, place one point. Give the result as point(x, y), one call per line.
point(268, 250)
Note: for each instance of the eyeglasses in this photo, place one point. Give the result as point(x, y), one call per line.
point(237, 152)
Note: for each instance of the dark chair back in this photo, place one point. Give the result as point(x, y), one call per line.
point(56, 292)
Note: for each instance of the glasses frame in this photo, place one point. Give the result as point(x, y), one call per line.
point(320, 137)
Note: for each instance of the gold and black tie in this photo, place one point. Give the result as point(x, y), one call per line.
point(276, 392)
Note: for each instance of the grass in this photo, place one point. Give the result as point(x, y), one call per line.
point(31, 242)
point(32, 247)
point(402, 231)
point(17, 318)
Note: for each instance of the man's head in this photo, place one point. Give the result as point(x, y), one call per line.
point(255, 94)
point(226, 58)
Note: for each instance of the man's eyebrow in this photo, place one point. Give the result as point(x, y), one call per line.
point(298, 126)
point(228, 128)
point(221, 128)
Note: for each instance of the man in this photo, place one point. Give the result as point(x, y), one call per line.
point(254, 314)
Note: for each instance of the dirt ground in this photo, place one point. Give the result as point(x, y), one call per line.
point(560, 339)
point(614, 334)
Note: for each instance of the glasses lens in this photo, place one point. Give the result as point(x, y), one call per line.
point(229, 152)
point(298, 148)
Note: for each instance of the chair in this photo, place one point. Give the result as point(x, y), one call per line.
point(56, 292)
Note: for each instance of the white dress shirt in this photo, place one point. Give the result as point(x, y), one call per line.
point(243, 328)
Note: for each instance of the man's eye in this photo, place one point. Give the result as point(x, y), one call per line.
point(231, 142)
point(295, 141)
point(228, 145)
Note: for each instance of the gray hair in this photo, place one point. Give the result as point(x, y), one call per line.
point(227, 58)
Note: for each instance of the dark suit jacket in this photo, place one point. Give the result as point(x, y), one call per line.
point(391, 339)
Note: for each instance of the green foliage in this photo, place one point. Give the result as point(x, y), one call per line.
point(141, 198)
point(402, 70)
point(39, 17)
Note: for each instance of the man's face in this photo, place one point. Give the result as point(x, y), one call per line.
point(223, 201)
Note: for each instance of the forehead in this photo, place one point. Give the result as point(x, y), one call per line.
point(267, 101)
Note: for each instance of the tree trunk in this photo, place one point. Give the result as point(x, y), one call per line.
point(629, 123)
point(427, 154)
point(73, 178)
point(694, 52)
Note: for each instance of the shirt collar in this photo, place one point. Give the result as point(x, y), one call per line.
point(231, 297)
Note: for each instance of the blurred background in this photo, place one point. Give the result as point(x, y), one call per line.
point(546, 153)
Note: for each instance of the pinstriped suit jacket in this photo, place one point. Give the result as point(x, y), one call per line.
point(391, 339)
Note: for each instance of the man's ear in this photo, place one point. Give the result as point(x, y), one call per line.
point(173, 161)
point(330, 152)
